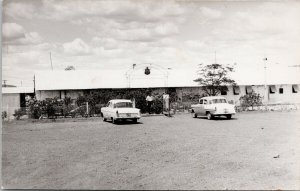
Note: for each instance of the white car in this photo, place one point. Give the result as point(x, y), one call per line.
point(120, 109)
point(213, 106)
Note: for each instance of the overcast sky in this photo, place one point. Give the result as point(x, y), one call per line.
point(115, 34)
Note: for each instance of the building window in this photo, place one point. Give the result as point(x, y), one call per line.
point(281, 90)
point(295, 88)
point(249, 89)
point(272, 89)
point(236, 90)
point(223, 92)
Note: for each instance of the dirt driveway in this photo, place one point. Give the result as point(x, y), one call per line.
point(252, 151)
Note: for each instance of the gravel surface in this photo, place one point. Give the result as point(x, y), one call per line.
point(254, 150)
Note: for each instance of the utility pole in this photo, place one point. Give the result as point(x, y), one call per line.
point(265, 82)
point(51, 61)
point(34, 84)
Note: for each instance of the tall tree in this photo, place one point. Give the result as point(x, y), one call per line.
point(214, 78)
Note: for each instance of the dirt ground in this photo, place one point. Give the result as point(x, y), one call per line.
point(254, 150)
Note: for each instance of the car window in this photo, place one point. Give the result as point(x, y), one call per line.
point(219, 100)
point(123, 105)
point(204, 101)
point(210, 102)
point(201, 101)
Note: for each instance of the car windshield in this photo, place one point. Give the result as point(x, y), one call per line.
point(219, 101)
point(123, 105)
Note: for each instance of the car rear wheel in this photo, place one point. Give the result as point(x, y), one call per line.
point(104, 119)
point(209, 115)
point(134, 120)
point(228, 116)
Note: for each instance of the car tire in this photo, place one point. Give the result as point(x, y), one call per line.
point(113, 120)
point(134, 120)
point(228, 116)
point(104, 119)
point(194, 115)
point(209, 116)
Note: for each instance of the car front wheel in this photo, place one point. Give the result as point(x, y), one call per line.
point(113, 120)
point(209, 116)
point(134, 120)
point(194, 115)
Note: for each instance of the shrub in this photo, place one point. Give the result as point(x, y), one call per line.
point(252, 99)
point(158, 106)
point(4, 114)
point(18, 113)
point(35, 109)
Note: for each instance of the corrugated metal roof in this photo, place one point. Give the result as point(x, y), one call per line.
point(86, 79)
point(102, 79)
point(15, 90)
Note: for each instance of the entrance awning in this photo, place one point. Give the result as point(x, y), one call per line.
point(249, 89)
point(236, 90)
point(272, 89)
point(295, 88)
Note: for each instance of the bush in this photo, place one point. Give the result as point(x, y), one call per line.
point(18, 113)
point(4, 114)
point(51, 107)
point(158, 106)
point(98, 99)
point(250, 100)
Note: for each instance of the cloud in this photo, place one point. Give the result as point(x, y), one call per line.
point(123, 11)
point(166, 29)
point(12, 31)
point(14, 34)
point(209, 13)
point(76, 48)
point(19, 9)
point(106, 43)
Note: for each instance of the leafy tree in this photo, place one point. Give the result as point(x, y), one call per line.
point(70, 68)
point(214, 78)
point(252, 99)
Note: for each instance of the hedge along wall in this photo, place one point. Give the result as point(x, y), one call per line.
point(98, 98)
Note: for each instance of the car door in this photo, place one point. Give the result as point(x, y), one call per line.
point(110, 110)
point(197, 109)
point(105, 110)
point(202, 110)
point(204, 107)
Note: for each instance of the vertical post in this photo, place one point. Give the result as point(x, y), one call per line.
point(265, 82)
point(34, 85)
point(51, 61)
point(87, 108)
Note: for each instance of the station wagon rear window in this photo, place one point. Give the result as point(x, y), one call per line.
point(219, 101)
point(123, 105)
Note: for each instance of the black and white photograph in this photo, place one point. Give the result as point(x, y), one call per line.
point(150, 94)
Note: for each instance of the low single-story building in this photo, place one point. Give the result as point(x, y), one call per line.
point(72, 84)
point(14, 98)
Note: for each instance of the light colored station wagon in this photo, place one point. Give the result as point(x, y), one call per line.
point(213, 106)
point(120, 109)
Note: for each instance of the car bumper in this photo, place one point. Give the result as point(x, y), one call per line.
point(128, 117)
point(222, 113)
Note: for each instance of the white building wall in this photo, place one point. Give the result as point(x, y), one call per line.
point(10, 103)
point(286, 97)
